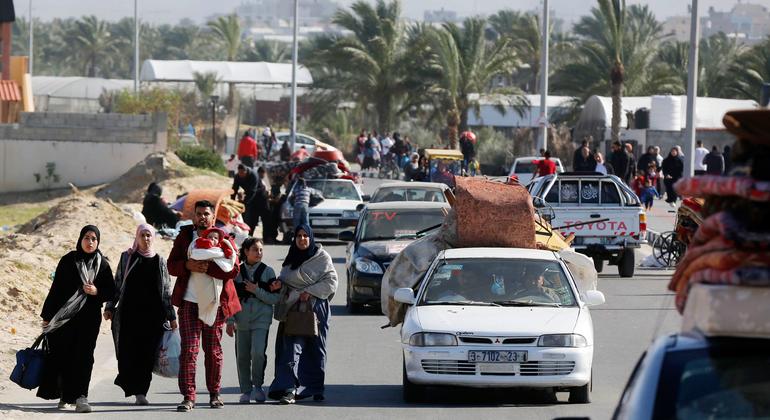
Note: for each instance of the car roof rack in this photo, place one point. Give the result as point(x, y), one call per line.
point(582, 173)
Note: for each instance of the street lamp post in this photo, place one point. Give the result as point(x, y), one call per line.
point(294, 78)
point(136, 47)
point(542, 142)
point(214, 101)
point(31, 37)
point(692, 91)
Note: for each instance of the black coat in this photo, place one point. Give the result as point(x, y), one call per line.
point(673, 167)
point(644, 162)
point(72, 345)
point(157, 213)
point(620, 162)
point(249, 183)
point(715, 163)
point(582, 164)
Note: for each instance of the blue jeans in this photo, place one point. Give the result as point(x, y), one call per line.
point(300, 215)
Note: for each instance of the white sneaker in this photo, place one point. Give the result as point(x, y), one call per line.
point(141, 400)
point(245, 398)
point(258, 395)
point(63, 405)
point(82, 406)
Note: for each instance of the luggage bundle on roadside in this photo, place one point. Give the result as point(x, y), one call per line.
point(723, 281)
point(484, 214)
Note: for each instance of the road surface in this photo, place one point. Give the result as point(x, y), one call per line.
point(364, 366)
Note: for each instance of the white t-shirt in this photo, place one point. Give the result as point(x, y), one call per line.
point(232, 165)
point(700, 153)
point(386, 143)
point(189, 294)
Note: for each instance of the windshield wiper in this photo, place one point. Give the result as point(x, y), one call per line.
point(527, 303)
point(379, 238)
point(427, 230)
point(462, 302)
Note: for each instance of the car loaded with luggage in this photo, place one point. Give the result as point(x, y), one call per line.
point(718, 366)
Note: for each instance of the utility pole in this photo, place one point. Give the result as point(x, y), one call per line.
point(136, 47)
point(293, 105)
point(692, 91)
point(542, 142)
point(31, 37)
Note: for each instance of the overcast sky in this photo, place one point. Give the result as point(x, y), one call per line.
point(171, 11)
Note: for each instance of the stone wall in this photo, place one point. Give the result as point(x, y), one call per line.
point(86, 149)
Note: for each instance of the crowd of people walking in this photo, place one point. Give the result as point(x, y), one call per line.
point(210, 297)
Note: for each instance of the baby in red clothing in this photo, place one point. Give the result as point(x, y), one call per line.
point(213, 238)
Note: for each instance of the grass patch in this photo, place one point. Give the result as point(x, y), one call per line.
point(18, 214)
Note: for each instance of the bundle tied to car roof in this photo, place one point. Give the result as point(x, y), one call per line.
point(483, 214)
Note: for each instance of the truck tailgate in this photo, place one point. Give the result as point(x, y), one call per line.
point(600, 221)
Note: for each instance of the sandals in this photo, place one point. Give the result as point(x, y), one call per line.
point(216, 402)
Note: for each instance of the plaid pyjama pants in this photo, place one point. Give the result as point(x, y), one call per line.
point(192, 331)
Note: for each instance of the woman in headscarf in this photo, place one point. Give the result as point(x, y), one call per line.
point(308, 275)
point(673, 170)
point(71, 318)
point(156, 210)
point(140, 307)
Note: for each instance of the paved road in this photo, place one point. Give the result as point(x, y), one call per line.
point(364, 369)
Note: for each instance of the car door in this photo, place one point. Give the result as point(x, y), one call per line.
point(306, 141)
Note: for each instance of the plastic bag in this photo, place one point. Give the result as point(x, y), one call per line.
point(167, 362)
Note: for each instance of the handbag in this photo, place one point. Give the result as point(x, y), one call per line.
point(28, 371)
point(301, 322)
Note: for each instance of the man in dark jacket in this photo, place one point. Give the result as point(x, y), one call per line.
point(619, 160)
point(650, 157)
point(155, 210)
point(577, 157)
point(247, 180)
point(467, 149)
point(715, 162)
point(586, 162)
point(191, 328)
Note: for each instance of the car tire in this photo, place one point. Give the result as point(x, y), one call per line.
point(581, 394)
point(413, 393)
point(626, 263)
point(598, 264)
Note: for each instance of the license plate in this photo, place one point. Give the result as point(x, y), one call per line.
point(512, 368)
point(324, 222)
point(494, 356)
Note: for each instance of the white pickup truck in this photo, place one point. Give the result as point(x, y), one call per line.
point(604, 214)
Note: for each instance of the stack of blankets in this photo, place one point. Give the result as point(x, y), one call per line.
point(722, 284)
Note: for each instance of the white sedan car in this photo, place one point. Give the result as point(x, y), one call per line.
point(525, 169)
point(498, 317)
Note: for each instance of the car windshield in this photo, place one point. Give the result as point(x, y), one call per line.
point(499, 281)
point(725, 381)
point(525, 167)
point(399, 224)
point(408, 194)
point(335, 190)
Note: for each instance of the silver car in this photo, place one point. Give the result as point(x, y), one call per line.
point(689, 376)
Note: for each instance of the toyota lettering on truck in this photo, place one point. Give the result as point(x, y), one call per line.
point(604, 215)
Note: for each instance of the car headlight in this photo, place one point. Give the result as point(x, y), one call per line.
point(365, 265)
point(427, 339)
point(350, 214)
point(562, 340)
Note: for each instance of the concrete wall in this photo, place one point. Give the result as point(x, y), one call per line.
point(668, 139)
point(87, 149)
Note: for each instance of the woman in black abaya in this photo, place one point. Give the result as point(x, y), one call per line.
point(71, 318)
point(142, 304)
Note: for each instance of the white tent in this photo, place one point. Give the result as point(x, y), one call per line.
point(489, 112)
point(72, 94)
point(261, 73)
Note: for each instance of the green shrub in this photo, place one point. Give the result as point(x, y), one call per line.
point(493, 148)
point(201, 157)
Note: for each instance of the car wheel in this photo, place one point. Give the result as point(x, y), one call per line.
point(598, 264)
point(626, 263)
point(581, 394)
point(353, 308)
point(413, 393)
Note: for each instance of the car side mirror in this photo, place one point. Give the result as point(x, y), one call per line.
point(404, 295)
point(366, 197)
point(360, 207)
point(594, 298)
point(346, 236)
point(538, 202)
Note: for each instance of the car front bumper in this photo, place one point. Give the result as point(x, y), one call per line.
point(546, 367)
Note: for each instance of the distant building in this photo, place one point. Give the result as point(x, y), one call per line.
point(678, 27)
point(440, 16)
point(746, 21)
point(270, 12)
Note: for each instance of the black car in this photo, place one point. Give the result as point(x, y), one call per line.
point(384, 229)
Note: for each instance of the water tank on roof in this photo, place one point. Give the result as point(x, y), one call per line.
point(666, 113)
point(642, 119)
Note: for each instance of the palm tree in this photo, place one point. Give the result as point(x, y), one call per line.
point(269, 51)
point(94, 48)
point(227, 30)
point(618, 42)
point(205, 83)
point(366, 67)
point(751, 71)
point(460, 67)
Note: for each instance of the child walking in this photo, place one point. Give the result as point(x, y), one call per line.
point(258, 290)
point(649, 192)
